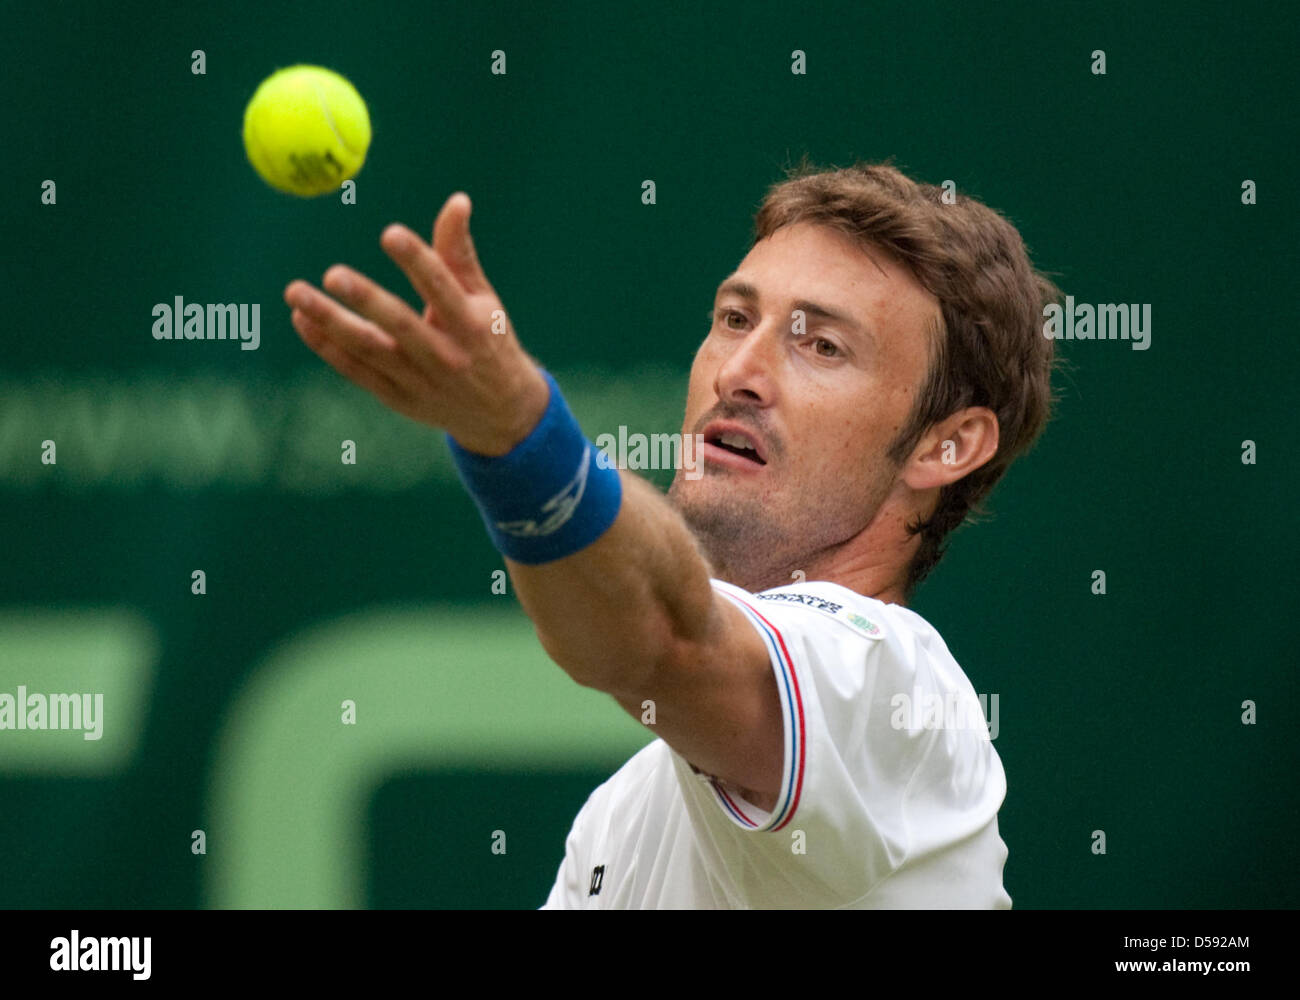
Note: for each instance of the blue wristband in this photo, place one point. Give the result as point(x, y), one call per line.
point(548, 497)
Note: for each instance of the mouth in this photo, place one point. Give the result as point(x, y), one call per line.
point(732, 445)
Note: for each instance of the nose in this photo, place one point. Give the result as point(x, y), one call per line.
point(747, 374)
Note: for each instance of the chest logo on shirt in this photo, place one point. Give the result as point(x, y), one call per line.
point(836, 611)
point(597, 878)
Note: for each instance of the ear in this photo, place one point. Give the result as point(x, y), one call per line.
point(954, 447)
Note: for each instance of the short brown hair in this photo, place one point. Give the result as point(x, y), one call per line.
point(990, 351)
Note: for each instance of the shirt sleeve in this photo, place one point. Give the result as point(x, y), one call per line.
point(867, 786)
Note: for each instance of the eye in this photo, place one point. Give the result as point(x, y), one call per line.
point(823, 342)
point(726, 315)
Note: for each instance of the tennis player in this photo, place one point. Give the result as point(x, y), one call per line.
point(873, 366)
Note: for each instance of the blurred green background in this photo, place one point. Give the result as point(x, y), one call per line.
point(373, 583)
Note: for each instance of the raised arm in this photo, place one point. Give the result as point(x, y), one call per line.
point(632, 612)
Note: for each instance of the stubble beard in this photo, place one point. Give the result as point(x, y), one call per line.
point(740, 538)
point(753, 543)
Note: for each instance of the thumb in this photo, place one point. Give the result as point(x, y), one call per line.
point(454, 244)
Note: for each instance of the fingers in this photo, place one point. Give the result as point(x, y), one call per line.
point(358, 369)
point(372, 336)
point(452, 240)
point(321, 321)
point(429, 276)
point(430, 348)
point(336, 321)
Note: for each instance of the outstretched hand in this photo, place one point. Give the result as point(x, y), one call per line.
point(459, 366)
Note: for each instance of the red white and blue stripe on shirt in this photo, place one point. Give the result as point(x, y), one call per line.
point(792, 716)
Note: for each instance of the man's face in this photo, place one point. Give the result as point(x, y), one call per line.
point(821, 406)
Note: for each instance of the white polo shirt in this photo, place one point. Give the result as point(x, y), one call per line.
point(889, 793)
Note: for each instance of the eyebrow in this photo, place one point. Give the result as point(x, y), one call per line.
point(746, 291)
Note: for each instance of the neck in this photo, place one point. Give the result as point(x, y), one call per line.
point(878, 572)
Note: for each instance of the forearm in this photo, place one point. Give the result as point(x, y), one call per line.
point(610, 613)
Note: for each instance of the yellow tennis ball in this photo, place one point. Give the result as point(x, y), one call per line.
point(306, 130)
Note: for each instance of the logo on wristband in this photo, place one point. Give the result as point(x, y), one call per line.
point(558, 509)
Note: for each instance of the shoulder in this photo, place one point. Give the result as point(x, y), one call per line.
point(859, 653)
point(818, 601)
